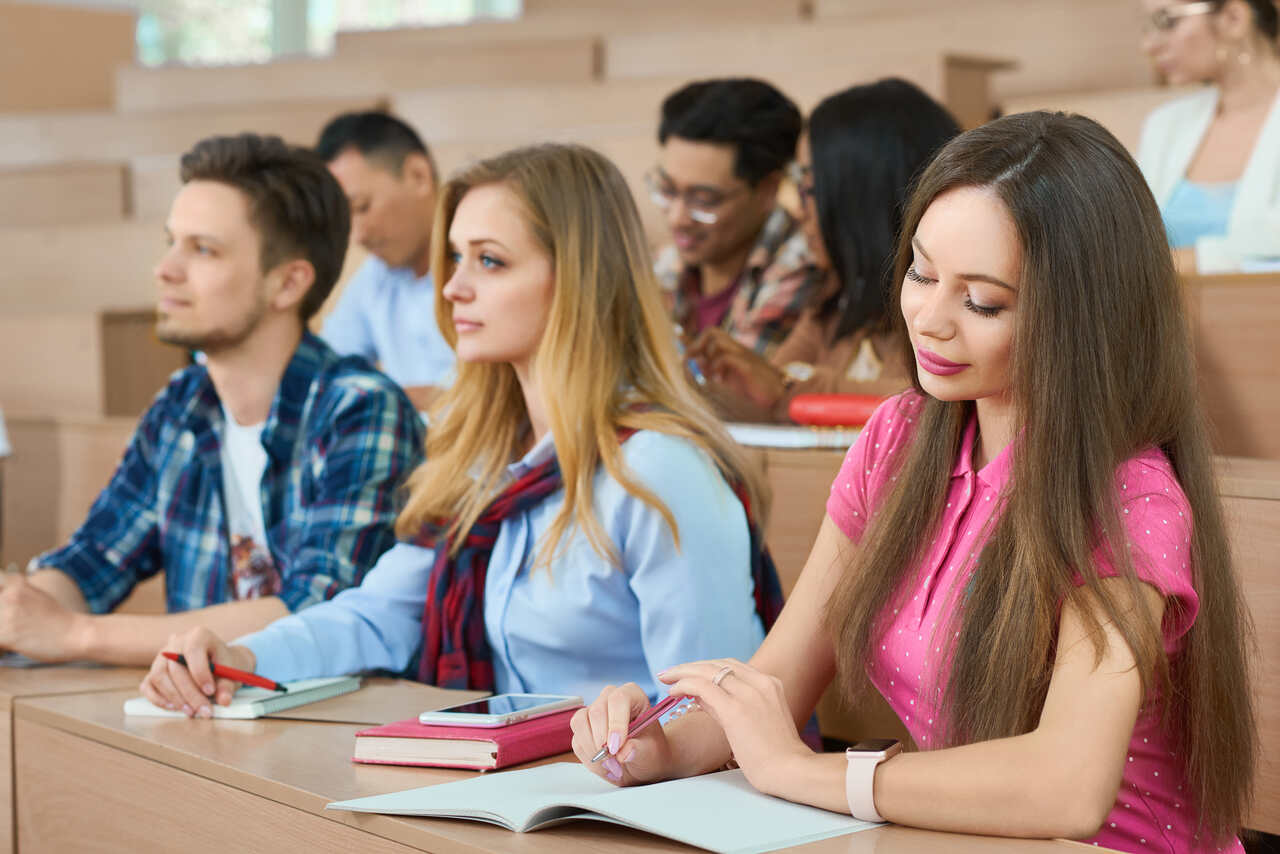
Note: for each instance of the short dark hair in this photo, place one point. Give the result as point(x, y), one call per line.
point(761, 122)
point(378, 136)
point(868, 143)
point(295, 204)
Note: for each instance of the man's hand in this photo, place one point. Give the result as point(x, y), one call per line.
point(35, 624)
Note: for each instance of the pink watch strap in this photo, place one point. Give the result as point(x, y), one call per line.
point(859, 780)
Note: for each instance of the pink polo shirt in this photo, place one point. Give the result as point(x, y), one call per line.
point(1151, 811)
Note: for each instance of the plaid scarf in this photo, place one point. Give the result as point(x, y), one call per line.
point(455, 650)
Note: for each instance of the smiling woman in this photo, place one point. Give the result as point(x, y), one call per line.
point(1016, 551)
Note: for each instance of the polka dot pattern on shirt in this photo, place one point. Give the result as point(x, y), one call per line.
point(1150, 814)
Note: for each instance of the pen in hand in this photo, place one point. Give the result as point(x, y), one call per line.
point(647, 718)
point(242, 676)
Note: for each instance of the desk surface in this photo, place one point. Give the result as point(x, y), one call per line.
point(306, 765)
point(18, 682)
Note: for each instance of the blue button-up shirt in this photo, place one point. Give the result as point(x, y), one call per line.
point(340, 438)
point(388, 315)
point(581, 625)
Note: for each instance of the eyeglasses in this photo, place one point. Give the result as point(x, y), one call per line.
point(1166, 18)
point(802, 177)
point(701, 203)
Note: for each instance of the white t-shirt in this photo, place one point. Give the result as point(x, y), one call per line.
point(5, 450)
point(244, 460)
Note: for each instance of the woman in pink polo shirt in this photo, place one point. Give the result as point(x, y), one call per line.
point(1017, 551)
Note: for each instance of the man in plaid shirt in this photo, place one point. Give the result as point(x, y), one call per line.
point(261, 481)
point(738, 261)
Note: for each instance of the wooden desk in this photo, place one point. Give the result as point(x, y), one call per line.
point(1250, 492)
point(18, 683)
point(1233, 320)
point(207, 782)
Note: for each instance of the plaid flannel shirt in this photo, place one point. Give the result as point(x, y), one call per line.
point(340, 438)
point(779, 281)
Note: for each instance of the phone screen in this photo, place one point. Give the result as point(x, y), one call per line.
point(503, 704)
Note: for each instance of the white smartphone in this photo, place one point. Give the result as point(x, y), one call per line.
point(500, 710)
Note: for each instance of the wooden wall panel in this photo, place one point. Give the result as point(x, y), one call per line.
point(170, 88)
point(78, 136)
point(1121, 111)
point(61, 57)
point(63, 194)
point(1235, 319)
point(1046, 39)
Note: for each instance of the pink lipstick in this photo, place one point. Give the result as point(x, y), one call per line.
point(935, 364)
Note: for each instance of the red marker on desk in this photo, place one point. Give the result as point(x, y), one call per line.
point(225, 672)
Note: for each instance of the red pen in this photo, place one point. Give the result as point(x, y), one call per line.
point(225, 672)
point(647, 718)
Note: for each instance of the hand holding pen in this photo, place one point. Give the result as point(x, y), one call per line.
point(618, 735)
point(181, 677)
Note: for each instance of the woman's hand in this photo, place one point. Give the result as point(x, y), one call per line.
point(751, 707)
point(628, 761)
point(190, 688)
point(738, 368)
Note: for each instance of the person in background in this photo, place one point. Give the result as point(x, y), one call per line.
point(737, 261)
point(1212, 158)
point(571, 528)
point(1026, 553)
point(386, 313)
point(854, 166)
point(262, 480)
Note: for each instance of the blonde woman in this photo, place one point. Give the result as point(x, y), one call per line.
point(580, 520)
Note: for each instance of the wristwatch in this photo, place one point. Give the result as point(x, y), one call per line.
point(859, 777)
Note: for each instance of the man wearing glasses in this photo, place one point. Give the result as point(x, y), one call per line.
point(737, 261)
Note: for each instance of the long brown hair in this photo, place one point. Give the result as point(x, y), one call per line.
point(607, 360)
point(1102, 367)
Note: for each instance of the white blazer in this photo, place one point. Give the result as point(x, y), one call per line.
point(1170, 137)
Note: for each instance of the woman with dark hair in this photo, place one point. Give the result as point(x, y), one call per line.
point(1212, 158)
point(1025, 552)
point(854, 164)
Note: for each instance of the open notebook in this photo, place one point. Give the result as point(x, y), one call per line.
point(719, 812)
point(250, 702)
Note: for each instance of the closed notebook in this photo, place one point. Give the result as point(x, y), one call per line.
point(251, 702)
point(719, 812)
point(481, 748)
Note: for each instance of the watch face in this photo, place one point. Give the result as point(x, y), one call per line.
point(874, 745)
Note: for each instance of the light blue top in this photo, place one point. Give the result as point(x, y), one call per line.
point(581, 626)
point(388, 315)
point(1198, 210)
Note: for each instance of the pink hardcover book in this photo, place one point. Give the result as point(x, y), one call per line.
point(480, 748)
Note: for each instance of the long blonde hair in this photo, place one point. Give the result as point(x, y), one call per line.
point(607, 360)
point(1102, 368)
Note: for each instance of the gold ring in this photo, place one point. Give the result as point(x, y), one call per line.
point(721, 675)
